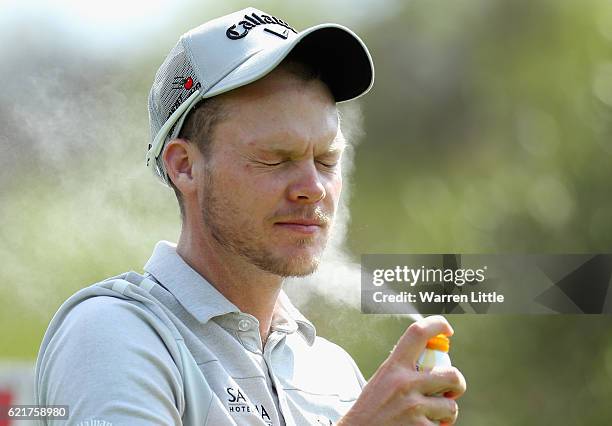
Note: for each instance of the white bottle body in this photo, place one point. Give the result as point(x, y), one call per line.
point(431, 358)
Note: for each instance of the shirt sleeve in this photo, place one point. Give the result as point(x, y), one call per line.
point(109, 365)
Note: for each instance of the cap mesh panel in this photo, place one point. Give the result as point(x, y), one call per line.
point(170, 89)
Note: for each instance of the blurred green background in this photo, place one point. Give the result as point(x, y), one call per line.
point(487, 131)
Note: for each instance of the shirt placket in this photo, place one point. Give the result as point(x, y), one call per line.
point(248, 333)
point(274, 339)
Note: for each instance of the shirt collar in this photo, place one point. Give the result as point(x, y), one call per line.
point(287, 316)
point(204, 302)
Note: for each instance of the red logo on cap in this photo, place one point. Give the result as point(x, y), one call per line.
point(181, 82)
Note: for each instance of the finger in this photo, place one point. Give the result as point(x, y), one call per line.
point(413, 341)
point(447, 381)
point(441, 409)
point(422, 421)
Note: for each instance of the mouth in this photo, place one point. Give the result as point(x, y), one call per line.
point(303, 226)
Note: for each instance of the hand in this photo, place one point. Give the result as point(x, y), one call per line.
point(397, 394)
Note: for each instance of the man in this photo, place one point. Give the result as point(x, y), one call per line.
point(245, 130)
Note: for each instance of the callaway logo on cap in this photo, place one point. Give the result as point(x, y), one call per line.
point(237, 49)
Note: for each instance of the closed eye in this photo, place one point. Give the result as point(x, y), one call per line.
point(326, 164)
point(270, 164)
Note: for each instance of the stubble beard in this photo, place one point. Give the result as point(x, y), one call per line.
point(221, 218)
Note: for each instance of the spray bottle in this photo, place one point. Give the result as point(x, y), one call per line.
point(435, 355)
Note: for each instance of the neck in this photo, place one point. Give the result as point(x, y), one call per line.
point(249, 288)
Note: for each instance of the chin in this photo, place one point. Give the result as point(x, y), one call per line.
point(295, 263)
point(301, 270)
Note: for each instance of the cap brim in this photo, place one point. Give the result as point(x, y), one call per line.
point(340, 56)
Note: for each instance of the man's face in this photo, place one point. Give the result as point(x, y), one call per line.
point(271, 184)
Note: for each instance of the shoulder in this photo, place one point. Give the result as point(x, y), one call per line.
point(106, 319)
point(103, 334)
point(112, 311)
point(101, 350)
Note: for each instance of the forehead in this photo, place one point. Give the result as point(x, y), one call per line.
point(279, 110)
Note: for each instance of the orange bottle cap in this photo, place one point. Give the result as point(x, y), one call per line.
point(439, 343)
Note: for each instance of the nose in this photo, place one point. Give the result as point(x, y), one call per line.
point(306, 187)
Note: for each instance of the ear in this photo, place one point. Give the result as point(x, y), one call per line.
point(179, 157)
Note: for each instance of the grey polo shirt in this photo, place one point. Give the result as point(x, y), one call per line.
point(106, 354)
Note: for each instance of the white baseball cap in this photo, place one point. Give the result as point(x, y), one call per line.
point(237, 49)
